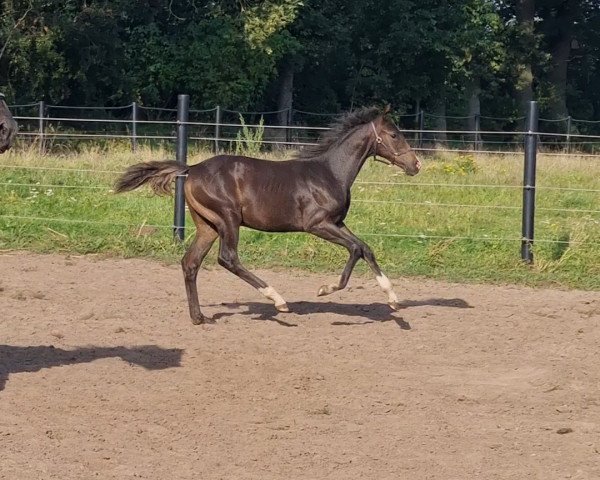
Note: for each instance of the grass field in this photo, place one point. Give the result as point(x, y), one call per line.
point(65, 203)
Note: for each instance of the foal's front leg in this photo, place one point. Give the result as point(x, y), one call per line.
point(382, 279)
point(341, 235)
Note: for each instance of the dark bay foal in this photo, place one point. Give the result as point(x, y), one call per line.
point(310, 193)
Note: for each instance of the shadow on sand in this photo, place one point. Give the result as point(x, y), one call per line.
point(14, 359)
point(373, 312)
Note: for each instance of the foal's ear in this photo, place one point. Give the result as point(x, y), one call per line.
point(387, 109)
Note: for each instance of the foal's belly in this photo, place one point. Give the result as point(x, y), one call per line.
point(290, 214)
point(284, 215)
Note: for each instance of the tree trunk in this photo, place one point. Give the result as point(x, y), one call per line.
point(285, 98)
point(561, 51)
point(418, 135)
point(558, 77)
point(525, 17)
point(474, 110)
point(439, 110)
point(474, 90)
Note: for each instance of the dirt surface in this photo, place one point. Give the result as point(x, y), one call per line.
point(102, 375)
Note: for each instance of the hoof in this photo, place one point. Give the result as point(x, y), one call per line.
point(202, 320)
point(326, 290)
point(282, 308)
point(395, 306)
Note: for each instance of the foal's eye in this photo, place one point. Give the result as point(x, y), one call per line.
point(393, 135)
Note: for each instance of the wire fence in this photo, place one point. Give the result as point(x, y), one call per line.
point(108, 188)
point(220, 129)
point(429, 204)
point(414, 236)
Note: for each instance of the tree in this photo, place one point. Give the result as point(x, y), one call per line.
point(459, 56)
point(583, 92)
point(543, 33)
point(108, 51)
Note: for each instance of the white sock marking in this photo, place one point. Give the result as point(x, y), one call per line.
point(272, 294)
point(386, 286)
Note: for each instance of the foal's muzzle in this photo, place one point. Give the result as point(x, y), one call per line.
point(411, 167)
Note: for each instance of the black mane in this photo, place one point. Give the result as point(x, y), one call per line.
point(338, 131)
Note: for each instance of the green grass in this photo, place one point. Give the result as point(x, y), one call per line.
point(484, 243)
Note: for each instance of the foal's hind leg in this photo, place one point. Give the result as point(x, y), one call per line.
point(205, 237)
point(357, 249)
point(228, 258)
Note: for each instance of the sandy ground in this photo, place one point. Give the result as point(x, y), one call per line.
point(102, 375)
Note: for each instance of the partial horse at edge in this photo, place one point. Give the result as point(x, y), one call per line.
point(8, 126)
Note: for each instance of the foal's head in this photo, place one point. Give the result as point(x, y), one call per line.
point(390, 144)
point(374, 134)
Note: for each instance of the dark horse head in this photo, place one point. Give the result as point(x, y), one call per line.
point(392, 146)
point(8, 126)
point(371, 132)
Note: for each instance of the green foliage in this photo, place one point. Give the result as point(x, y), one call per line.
point(249, 140)
point(343, 53)
point(459, 165)
point(114, 51)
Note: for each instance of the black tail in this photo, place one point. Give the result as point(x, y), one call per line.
point(158, 175)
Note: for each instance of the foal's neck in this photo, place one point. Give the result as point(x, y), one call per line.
point(348, 158)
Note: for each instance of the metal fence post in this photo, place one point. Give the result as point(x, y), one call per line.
point(288, 131)
point(41, 115)
point(529, 170)
point(183, 107)
point(416, 135)
point(421, 127)
point(569, 120)
point(217, 128)
point(477, 143)
point(134, 119)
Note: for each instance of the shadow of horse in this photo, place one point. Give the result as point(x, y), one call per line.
point(14, 359)
point(373, 312)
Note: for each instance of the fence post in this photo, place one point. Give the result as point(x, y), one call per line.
point(41, 115)
point(569, 119)
point(134, 119)
point(421, 127)
point(529, 170)
point(288, 131)
point(477, 143)
point(183, 106)
point(416, 135)
point(217, 128)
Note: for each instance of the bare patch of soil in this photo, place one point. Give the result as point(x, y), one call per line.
point(103, 375)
